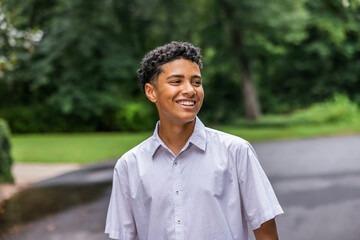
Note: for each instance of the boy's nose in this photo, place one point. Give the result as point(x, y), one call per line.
point(188, 90)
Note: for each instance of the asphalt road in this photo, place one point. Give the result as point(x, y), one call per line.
point(317, 182)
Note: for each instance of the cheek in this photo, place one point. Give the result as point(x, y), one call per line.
point(168, 96)
point(169, 90)
point(201, 94)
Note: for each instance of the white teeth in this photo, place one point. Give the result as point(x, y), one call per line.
point(187, 103)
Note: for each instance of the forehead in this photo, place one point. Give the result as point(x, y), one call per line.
point(180, 66)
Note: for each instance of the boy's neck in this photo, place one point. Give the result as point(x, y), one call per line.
point(175, 136)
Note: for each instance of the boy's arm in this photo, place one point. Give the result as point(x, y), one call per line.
point(267, 231)
point(120, 223)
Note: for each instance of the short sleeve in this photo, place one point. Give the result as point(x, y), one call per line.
point(258, 198)
point(120, 222)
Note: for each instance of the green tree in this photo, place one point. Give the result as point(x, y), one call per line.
point(85, 67)
point(322, 64)
point(82, 74)
point(257, 29)
point(14, 41)
point(86, 61)
point(5, 156)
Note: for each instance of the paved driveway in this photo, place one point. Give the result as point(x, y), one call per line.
point(316, 180)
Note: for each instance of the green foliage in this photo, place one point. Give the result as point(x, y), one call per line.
point(236, 37)
point(136, 116)
point(322, 64)
point(85, 67)
point(39, 118)
point(84, 62)
point(5, 157)
point(338, 109)
point(14, 41)
point(82, 74)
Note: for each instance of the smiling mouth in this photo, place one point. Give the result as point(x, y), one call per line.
point(187, 103)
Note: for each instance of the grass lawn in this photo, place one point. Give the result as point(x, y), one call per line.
point(254, 134)
point(92, 147)
point(73, 148)
point(338, 116)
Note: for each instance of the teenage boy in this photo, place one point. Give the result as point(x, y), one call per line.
point(187, 181)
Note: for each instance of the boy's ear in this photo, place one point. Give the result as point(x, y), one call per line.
point(150, 92)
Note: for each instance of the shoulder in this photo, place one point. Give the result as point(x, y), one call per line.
point(234, 147)
point(143, 149)
point(225, 139)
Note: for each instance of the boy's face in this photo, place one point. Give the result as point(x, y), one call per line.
point(178, 94)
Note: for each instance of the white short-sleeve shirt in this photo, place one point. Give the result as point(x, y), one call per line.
point(212, 190)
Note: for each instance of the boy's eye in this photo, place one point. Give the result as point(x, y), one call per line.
point(197, 82)
point(175, 81)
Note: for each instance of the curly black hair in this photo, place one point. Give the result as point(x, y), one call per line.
point(150, 66)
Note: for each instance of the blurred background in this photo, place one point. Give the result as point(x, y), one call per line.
point(273, 70)
point(70, 66)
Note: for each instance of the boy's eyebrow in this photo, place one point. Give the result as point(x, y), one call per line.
point(182, 76)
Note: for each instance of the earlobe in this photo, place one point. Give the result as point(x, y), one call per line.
point(150, 92)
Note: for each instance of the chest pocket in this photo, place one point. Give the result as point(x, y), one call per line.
point(222, 178)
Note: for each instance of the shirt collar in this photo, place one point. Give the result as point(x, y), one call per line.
point(198, 137)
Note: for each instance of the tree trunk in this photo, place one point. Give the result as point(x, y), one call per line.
point(251, 103)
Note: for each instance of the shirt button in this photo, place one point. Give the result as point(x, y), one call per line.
point(177, 192)
point(175, 163)
point(178, 221)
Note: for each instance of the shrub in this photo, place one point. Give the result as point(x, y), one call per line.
point(338, 109)
point(136, 116)
point(38, 118)
point(5, 158)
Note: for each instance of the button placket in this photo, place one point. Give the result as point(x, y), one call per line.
point(178, 203)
